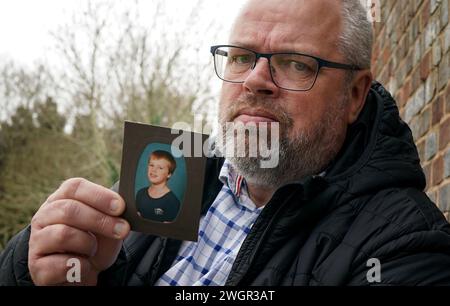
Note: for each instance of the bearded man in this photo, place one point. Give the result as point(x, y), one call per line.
point(346, 193)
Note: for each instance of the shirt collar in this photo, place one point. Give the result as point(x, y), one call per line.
point(229, 177)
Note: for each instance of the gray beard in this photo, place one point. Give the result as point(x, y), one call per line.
point(307, 153)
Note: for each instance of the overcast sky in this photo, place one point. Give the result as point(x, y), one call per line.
point(25, 24)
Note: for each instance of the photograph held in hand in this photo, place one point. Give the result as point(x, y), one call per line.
point(161, 185)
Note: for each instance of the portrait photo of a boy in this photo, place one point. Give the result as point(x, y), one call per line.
point(156, 174)
point(157, 202)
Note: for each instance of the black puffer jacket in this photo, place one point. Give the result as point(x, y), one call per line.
point(317, 231)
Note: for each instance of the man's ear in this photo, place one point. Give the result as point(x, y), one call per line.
point(359, 89)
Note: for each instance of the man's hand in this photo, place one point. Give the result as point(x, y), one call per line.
point(78, 221)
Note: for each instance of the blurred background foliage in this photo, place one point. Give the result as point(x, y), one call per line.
point(66, 120)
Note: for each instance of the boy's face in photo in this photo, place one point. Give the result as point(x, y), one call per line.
point(158, 170)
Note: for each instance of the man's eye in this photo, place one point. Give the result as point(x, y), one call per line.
point(299, 66)
point(241, 59)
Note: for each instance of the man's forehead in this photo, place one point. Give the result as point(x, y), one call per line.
point(309, 21)
point(285, 41)
point(292, 8)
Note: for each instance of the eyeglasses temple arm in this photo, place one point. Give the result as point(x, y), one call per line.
point(325, 63)
point(215, 50)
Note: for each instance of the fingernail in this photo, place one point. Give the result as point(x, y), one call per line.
point(119, 229)
point(114, 205)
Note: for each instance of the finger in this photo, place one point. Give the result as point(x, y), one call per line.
point(108, 250)
point(82, 217)
point(61, 268)
point(60, 238)
point(96, 196)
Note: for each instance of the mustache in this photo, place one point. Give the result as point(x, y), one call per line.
point(249, 100)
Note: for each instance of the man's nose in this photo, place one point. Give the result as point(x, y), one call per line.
point(259, 81)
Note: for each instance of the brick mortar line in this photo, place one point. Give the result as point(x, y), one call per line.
point(440, 36)
point(384, 26)
point(423, 138)
point(437, 187)
point(406, 32)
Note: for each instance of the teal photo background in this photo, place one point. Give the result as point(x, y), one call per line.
point(176, 183)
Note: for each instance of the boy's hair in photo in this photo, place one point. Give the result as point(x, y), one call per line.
point(160, 154)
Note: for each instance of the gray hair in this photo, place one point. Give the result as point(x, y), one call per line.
point(356, 39)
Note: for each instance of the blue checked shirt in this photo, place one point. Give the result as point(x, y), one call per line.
point(222, 231)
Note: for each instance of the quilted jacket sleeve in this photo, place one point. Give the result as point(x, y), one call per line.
point(14, 261)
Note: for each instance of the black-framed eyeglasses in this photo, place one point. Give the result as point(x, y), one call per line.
point(290, 71)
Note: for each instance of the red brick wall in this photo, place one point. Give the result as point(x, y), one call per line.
point(412, 59)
